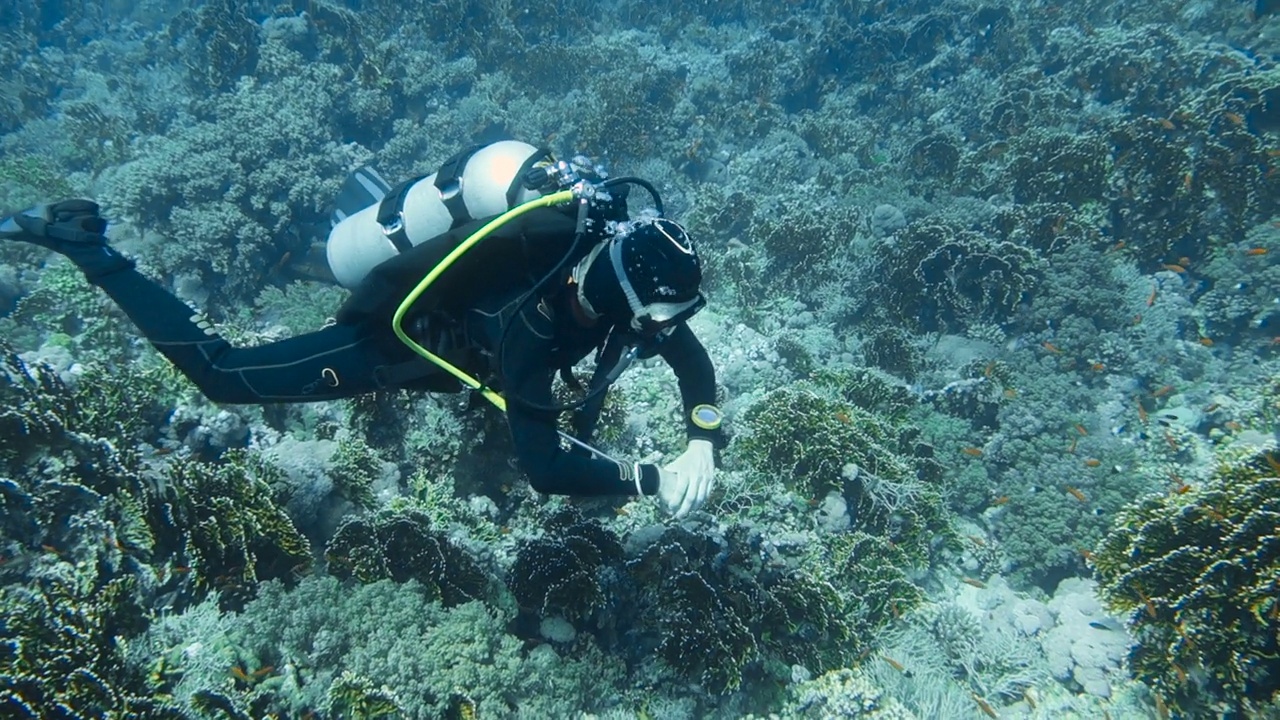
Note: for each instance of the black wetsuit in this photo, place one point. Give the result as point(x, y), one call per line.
point(350, 359)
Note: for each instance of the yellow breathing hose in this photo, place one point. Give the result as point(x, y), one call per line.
point(498, 401)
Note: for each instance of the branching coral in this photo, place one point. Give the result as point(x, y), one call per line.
point(818, 438)
point(60, 651)
point(803, 240)
point(936, 276)
point(221, 44)
point(559, 574)
point(401, 545)
point(221, 518)
point(1199, 576)
point(721, 611)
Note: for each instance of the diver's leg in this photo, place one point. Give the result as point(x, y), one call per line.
point(338, 361)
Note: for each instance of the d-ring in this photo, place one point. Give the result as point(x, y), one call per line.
point(330, 377)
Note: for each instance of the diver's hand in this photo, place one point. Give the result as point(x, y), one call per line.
point(685, 484)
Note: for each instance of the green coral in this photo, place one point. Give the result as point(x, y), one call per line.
point(818, 438)
point(1199, 576)
point(402, 545)
point(221, 521)
point(355, 467)
point(357, 697)
point(722, 616)
point(63, 303)
point(60, 647)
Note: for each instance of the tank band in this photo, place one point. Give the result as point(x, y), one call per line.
point(449, 183)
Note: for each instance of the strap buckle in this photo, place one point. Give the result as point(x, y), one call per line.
point(395, 226)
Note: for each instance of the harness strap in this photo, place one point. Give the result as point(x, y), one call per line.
point(449, 184)
point(391, 214)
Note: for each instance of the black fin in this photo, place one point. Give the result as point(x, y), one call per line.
point(362, 188)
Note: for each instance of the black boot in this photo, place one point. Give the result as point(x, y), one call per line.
point(72, 228)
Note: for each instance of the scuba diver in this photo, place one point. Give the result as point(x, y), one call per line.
point(494, 273)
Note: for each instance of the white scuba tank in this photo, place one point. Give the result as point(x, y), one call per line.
point(484, 183)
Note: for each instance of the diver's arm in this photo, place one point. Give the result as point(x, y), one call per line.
point(552, 469)
point(696, 375)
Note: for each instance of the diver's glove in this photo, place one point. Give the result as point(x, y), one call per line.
point(685, 483)
point(72, 228)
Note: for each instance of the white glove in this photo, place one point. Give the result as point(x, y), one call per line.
point(685, 484)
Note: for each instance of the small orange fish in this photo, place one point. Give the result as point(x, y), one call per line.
point(621, 510)
point(1151, 300)
point(1182, 489)
point(1215, 515)
point(1173, 268)
point(1211, 407)
point(985, 706)
point(975, 452)
point(1050, 347)
point(239, 673)
point(1256, 251)
point(1167, 124)
point(991, 366)
point(973, 583)
point(1206, 342)
point(1184, 261)
point(1092, 462)
point(1182, 674)
point(1234, 118)
point(1142, 412)
point(896, 665)
point(1233, 426)
point(1187, 181)
point(1098, 367)
point(1010, 393)
point(1077, 494)
point(1080, 429)
point(1150, 606)
point(1087, 554)
point(1072, 447)
point(264, 670)
point(1116, 247)
point(51, 549)
point(1274, 463)
point(1173, 444)
point(1162, 710)
point(977, 540)
point(1000, 500)
point(843, 417)
point(1162, 391)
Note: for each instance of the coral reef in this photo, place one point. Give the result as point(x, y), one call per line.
point(721, 611)
point(936, 276)
point(402, 545)
point(1197, 575)
point(559, 574)
point(818, 436)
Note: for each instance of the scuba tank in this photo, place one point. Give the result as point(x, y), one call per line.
point(479, 182)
